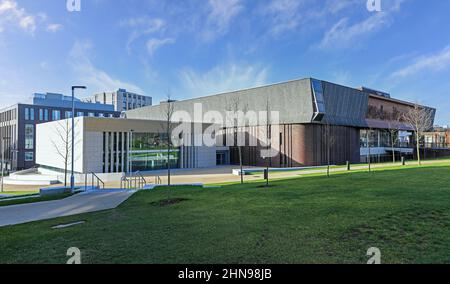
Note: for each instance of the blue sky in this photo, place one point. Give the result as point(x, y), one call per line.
point(192, 48)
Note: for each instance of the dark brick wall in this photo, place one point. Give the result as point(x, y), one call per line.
point(305, 145)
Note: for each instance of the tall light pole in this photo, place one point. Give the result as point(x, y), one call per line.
point(72, 176)
point(3, 156)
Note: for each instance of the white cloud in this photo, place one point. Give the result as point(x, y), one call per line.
point(142, 26)
point(221, 14)
point(343, 34)
point(433, 62)
point(12, 14)
point(285, 15)
point(96, 79)
point(222, 79)
point(155, 43)
point(54, 28)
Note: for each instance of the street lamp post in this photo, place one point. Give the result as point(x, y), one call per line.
point(72, 176)
point(3, 157)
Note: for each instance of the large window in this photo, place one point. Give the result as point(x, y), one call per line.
point(29, 113)
point(43, 114)
point(29, 136)
point(29, 156)
point(319, 102)
point(56, 115)
point(149, 151)
point(68, 114)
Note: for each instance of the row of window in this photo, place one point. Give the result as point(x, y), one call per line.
point(8, 115)
point(131, 101)
point(56, 114)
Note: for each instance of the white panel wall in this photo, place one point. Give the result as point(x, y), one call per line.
point(93, 152)
point(49, 142)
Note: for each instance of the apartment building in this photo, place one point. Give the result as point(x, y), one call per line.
point(122, 100)
point(18, 125)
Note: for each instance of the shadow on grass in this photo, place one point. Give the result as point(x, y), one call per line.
point(168, 202)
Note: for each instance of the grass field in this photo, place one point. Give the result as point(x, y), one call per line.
point(26, 199)
point(405, 212)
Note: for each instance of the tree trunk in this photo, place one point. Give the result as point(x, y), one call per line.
point(418, 148)
point(168, 166)
point(393, 148)
point(66, 165)
point(65, 175)
point(328, 150)
point(370, 158)
point(240, 164)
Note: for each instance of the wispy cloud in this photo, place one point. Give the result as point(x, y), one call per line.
point(54, 28)
point(220, 17)
point(155, 43)
point(12, 14)
point(96, 79)
point(142, 26)
point(284, 15)
point(343, 33)
point(223, 78)
point(432, 62)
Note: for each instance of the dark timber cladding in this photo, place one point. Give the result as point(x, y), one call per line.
point(306, 108)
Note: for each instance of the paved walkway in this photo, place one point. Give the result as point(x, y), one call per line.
point(74, 205)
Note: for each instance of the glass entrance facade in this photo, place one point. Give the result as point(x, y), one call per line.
point(149, 151)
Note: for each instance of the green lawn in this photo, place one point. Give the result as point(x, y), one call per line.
point(405, 212)
point(31, 199)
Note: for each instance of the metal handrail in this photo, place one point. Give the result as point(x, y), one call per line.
point(98, 181)
point(141, 179)
point(135, 180)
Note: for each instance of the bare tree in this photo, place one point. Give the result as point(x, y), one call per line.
point(63, 144)
point(235, 106)
point(168, 114)
point(369, 132)
point(393, 130)
point(268, 139)
point(330, 142)
point(420, 119)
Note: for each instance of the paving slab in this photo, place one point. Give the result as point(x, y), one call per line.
point(74, 205)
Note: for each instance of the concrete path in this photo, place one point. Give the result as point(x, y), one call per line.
point(74, 205)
